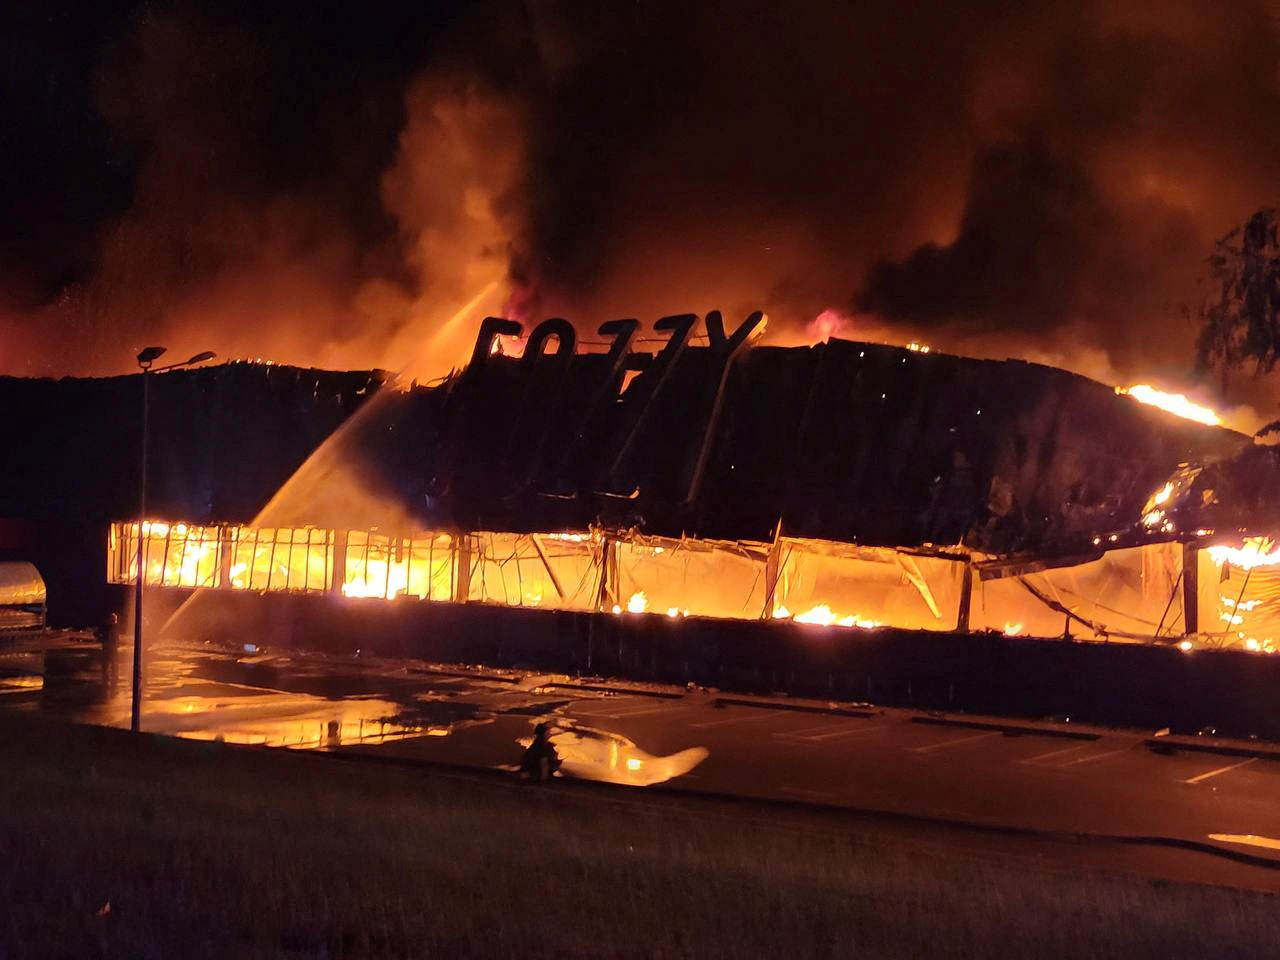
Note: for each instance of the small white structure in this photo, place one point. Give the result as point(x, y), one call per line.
point(22, 597)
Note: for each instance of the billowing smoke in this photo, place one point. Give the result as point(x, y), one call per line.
point(345, 237)
point(1038, 180)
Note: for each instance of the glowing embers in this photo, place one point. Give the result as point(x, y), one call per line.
point(1245, 581)
point(1175, 403)
point(674, 577)
point(1155, 512)
point(823, 616)
point(841, 585)
point(386, 567)
point(1131, 593)
point(1256, 552)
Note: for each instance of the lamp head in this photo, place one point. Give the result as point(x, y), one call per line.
point(202, 357)
point(149, 355)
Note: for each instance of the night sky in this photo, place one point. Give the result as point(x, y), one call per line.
point(328, 183)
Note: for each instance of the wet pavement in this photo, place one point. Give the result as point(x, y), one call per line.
point(326, 703)
point(997, 774)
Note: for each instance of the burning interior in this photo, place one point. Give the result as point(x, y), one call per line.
point(844, 485)
point(1136, 594)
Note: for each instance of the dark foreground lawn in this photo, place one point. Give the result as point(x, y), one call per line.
point(111, 846)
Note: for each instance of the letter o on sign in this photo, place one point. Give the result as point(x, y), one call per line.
point(562, 330)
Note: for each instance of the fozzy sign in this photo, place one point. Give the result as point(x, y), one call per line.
point(558, 337)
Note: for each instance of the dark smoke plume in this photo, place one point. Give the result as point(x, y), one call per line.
point(1012, 179)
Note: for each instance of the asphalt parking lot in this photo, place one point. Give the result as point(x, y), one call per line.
point(994, 773)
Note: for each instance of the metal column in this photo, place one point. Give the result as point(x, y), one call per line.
point(1190, 588)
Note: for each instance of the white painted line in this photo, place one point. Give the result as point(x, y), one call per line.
point(669, 706)
point(1096, 756)
point(591, 714)
point(635, 710)
point(848, 733)
point(742, 718)
point(1220, 770)
point(1246, 838)
point(1056, 753)
point(956, 741)
point(804, 731)
point(609, 704)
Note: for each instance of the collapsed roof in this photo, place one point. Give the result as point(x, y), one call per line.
point(842, 441)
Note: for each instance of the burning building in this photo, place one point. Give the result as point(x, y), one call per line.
point(844, 485)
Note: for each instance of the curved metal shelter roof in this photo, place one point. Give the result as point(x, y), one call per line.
point(20, 584)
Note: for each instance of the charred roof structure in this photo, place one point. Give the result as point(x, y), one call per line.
point(842, 442)
point(854, 442)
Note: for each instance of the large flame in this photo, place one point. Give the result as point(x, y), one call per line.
point(1175, 403)
point(597, 571)
point(1256, 552)
point(823, 616)
point(379, 579)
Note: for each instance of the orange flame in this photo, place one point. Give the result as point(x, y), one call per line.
point(1175, 403)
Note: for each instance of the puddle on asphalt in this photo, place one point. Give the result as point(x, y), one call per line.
point(203, 694)
point(286, 720)
point(589, 753)
point(21, 683)
point(206, 696)
point(320, 703)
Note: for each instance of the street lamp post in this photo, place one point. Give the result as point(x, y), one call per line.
point(146, 359)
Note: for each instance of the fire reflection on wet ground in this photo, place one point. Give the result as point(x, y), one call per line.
point(214, 695)
point(327, 703)
point(589, 753)
point(21, 683)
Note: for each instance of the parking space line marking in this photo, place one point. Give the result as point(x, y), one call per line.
point(1214, 773)
point(644, 709)
point(616, 705)
point(660, 708)
point(956, 741)
point(636, 711)
point(849, 733)
point(753, 718)
point(1055, 753)
point(804, 731)
point(1096, 756)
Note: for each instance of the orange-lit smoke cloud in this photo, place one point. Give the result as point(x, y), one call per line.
point(1039, 180)
point(212, 257)
point(1042, 180)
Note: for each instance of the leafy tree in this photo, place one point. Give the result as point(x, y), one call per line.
point(1243, 323)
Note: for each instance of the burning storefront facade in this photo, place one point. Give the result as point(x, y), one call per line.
point(846, 485)
point(1134, 594)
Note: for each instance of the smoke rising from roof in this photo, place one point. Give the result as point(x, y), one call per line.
point(1040, 180)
